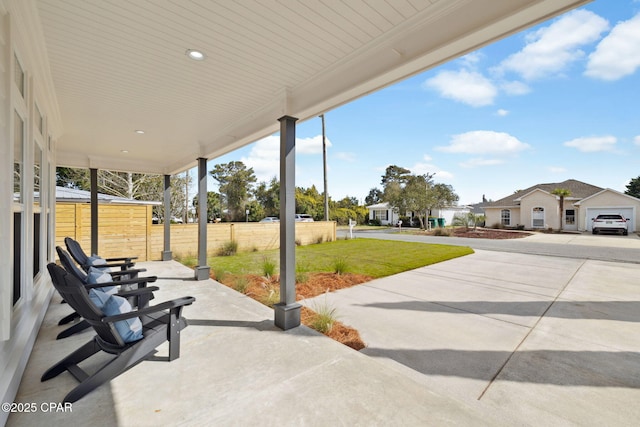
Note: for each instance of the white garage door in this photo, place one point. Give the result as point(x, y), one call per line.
point(625, 212)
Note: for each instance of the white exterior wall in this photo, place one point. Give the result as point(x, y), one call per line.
point(542, 199)
point(449, 213)
point(493, 216)
point(21, 36)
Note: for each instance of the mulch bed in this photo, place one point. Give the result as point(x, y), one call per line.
point(261, 289)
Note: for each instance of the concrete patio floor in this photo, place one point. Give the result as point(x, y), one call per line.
point(488, 339)
point(534, 340)
point(235, 369)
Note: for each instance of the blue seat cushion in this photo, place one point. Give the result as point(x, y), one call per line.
point(98, 298)
point(130, 329)
point(95, 276)
point(96, 261)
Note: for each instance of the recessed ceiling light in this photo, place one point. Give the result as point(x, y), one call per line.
point(124, 151)
point(195, 54)
point(139, 131)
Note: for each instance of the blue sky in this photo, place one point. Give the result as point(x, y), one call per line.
point(557, 101)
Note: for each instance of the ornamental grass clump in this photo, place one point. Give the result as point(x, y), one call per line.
point(323, 318)
point(340, 265)
point(228, 248)
point(268, 267)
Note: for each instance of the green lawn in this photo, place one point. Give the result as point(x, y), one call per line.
point(376, 258)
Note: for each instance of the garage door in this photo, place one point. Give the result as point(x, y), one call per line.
point(625, 212)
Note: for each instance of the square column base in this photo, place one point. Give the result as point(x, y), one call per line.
point(202, 272)
point(167, 255)
point(287, 316)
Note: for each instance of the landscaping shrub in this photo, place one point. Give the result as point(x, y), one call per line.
point(302, 272)
point(340, 265)
point(268, 267)
point(241, 284)
point(228, 248)
point(323, 318)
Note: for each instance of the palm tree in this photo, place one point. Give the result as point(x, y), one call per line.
point(561, 193)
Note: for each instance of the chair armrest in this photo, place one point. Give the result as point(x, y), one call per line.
point(139, 291)
point(125, 272)
point(139, 280)
point(126, 259)
point(167, 305)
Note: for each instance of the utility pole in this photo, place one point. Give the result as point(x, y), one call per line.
point(324, 167)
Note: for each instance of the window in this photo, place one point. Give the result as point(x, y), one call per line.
point(18, 141)
point(37, 176)
point(537, 217)
point(570, 217)
point(19, 76)
point(39, 121)
point(381, 214)
point(505, 217)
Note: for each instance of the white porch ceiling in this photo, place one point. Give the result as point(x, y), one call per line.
point(120, 65)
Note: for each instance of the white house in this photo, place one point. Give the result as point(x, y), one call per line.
point(387, 216)
point(538, 208)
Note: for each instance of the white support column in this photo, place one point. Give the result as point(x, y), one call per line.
point(287, 311)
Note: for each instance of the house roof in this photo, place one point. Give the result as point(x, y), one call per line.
point(384, 205)
point(112, 67)
point(579, 190)
point(75, 195)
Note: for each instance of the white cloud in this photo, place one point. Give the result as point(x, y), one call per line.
point(484, 142)
point(618, 54)
point(424, 167)
point(592, 144)
point(479, 162)
point(264, 156)
point(470, 60)
point(311, 145)
point(637, 138)
point(551, 49)
point(502, 112)
point(468, 87)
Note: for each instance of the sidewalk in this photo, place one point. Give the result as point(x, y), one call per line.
point(632, 241)
point(236, 369)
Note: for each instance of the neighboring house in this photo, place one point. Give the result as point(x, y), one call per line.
point(448, 212)
point(537, 208)
point(386, 215)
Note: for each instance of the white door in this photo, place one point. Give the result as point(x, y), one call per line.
point(537, 218)
point(570, 220)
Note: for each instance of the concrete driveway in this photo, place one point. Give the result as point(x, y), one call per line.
point(535, 340)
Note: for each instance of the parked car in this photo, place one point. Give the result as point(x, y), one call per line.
point(270, 219)
point(304, 218)
point(610, 222)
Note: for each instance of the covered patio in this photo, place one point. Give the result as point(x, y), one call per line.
point(160, 87)
point(235, 368)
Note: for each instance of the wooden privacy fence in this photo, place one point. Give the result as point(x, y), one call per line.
point(128, 230)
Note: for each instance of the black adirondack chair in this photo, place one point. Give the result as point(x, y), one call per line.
point(160, 323)
point(139, 295)
point(80, 256)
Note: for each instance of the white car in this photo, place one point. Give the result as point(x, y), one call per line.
point(304, 218)
point(609, 222)
point(270, 219)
